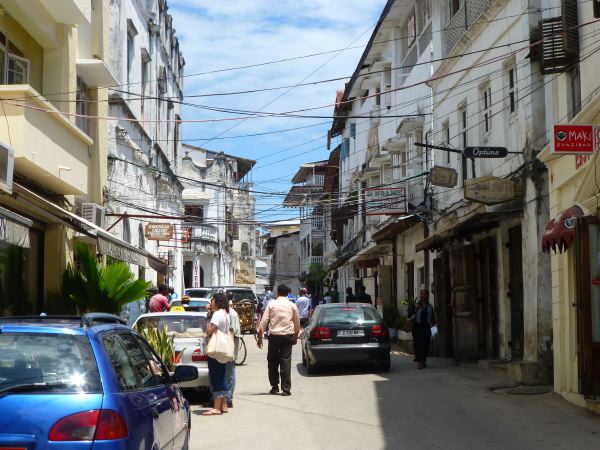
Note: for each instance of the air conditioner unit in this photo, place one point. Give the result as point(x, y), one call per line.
point(93, 212)
point(7, 162)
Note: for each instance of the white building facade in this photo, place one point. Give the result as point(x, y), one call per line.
point(144, 148)
point(219, 210)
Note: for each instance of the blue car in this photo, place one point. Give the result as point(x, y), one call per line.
point(83, 382)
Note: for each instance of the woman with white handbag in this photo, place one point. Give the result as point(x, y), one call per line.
point(219, 351)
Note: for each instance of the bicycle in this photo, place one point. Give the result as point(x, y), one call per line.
point(242, 353)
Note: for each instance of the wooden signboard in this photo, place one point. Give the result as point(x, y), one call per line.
point(491, 190)
point(159, 231)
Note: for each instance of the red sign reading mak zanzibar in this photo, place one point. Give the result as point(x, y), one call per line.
point(573, 139)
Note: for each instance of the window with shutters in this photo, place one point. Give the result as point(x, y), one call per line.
point(485, 105)
point(510, 83)
point(559, 36)
point(82, 106)
point(574, 91)
point(446, 138)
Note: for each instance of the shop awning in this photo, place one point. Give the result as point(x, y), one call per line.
point(395, 227)
point(107, 243)
point(475, 223)
point(14, 229)
point(560, 231)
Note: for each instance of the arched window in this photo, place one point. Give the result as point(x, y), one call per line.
point(141, 237)
point(245, 249)
point(126, 230)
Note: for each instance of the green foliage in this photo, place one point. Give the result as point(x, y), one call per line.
point(390, 315)
point(316, 273)
point(162, 343)
point(98, 288)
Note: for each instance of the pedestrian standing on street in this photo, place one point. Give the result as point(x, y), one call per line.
point(160, 302)
point(303, 305)
point(363, 297)
point(219, 310)
point(283, 320)
point(422, 321)
point(350, 297)
point(236, 330)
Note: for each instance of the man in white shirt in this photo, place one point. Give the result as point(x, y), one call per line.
point(303, 305)
point(281, 316)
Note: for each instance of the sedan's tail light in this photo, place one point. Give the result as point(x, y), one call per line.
point(320, 333)
point(100, 425)
point(379, 331)
point(198, 356)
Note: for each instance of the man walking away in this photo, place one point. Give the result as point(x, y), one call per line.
point(350, 297)
point(303, 305)
point(283, 320)
point(234, 327)
point(422, 321)
point(159, 302)
point(363, 297)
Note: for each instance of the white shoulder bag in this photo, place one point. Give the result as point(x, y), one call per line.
point(220, 346)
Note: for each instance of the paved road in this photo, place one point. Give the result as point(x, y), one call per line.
point(442, 407)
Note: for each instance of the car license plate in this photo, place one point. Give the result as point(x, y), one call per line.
point(350, 333)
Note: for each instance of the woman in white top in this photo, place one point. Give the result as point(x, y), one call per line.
point(219, 306)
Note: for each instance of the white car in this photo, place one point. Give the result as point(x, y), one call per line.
point(189, 331)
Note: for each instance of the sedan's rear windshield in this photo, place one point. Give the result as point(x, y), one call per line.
point(177, 325)
point(349, 315)
point(48, 363)
point(197, 293)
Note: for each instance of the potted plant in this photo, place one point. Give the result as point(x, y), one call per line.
point(390, 317)
point(163, 344)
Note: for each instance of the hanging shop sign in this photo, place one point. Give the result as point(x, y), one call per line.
point(575, 139)
point(196, 278)
point(485, 152)
point(385, 201)
point(491, 190)
point(159, 231)
point(443, 176)
point(121, 252)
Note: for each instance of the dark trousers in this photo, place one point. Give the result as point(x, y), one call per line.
point(279, 358)
point(421, 338)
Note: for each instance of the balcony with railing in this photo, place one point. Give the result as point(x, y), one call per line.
point(463, 19)
point(49, 148)
point(204, 232)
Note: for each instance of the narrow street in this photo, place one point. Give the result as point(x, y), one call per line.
point(444, 406)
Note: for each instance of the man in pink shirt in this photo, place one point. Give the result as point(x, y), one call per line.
point(159, 302)
point(283, 320)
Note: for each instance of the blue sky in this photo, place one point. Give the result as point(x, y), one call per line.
point(218, 35)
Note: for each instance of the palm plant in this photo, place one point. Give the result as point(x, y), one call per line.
point(98, 288)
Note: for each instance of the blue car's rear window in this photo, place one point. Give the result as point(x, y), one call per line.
point(61, 362)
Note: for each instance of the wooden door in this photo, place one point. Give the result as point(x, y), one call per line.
point(465, 313)
point(487, 257)
point(515, 286)
point(443, 304)
point(587, 271)
point(384, 278)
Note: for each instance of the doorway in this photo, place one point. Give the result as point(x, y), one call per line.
point(465, 311)
point(515, 292)
point(587, 272)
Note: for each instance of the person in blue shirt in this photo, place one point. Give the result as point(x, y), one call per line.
point(303, 305)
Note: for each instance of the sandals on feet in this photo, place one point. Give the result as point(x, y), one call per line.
point(212, 412)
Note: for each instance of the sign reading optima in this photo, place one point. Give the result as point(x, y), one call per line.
point(157, 231)
point(385, 201)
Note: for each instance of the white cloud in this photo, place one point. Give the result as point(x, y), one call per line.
point(223, 34)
